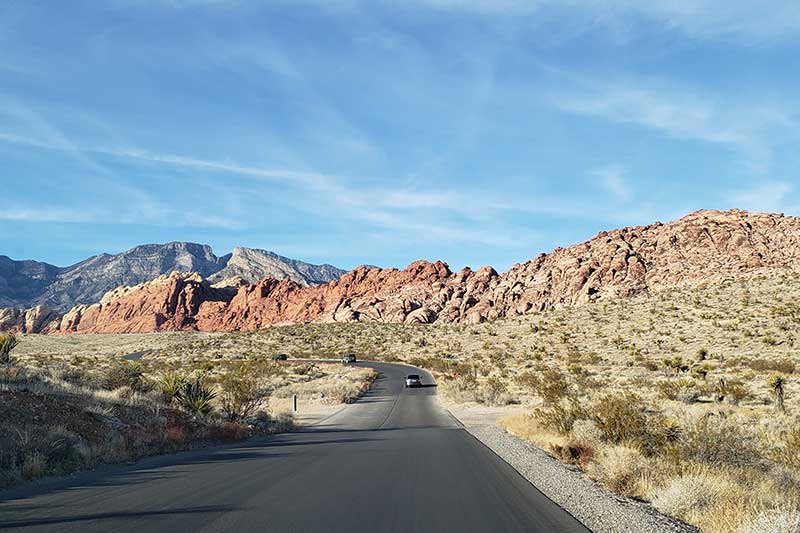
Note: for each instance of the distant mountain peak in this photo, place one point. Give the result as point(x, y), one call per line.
point(25, 284)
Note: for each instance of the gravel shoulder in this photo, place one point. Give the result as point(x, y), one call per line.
point(598, 509)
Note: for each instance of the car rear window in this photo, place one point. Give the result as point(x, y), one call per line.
point(413, 376)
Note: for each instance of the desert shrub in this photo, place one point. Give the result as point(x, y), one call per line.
point(34, 465)
point(553, 386)
point(649, 365)
point(34, 451)
point(175, 435)
point(18, 374)
point(196, 397)
point(65, 451)
point(732, 390)
point(691, 494)
point(559, 418)
point(788, 451)
point(228, 431)
point(494, 392)
point(170, 385)
point(675, 364)
point(460, 389)
point(786, 366)
point(586, 431)
point(528, 380)
point(774, 521)
point(573, 451)
point(126, 374)
point(8, 341)
point(624, 418)
point(620, 468)
point(716, 441)
point(241, 395)
point(684, 390)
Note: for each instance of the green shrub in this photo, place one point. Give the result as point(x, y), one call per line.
point(196, 397)
point(553, 386)
point(625, 418)
point(8, 341)
point(170, 385)
point(494, 392)
point(241, 395)
point(126, 374)
point(559, 418)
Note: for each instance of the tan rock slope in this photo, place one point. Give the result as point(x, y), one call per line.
point(697, 249)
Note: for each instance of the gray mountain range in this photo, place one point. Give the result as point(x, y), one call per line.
point(25, 284)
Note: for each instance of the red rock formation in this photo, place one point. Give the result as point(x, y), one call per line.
point(34, 320)
point(169, 302)
point(699, 248)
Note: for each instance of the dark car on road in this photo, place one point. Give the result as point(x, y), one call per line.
point(413, 380)
point(349, 358)
point(280, 357)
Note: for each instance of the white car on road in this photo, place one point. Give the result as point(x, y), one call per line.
point(413, 380)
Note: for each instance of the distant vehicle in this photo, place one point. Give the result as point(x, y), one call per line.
point(349, 358)
point(280, 357)
point(413, 380)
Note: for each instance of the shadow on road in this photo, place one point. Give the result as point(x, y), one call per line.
point(123, 515)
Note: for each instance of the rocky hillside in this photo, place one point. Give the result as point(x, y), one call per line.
point(252, 265)
point(27, 284)
point(697, 249)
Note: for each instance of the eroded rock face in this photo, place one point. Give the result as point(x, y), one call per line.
point(169, 302)
point(699, 248)
point(34, 320)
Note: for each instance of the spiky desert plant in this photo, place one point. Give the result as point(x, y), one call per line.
point(196, 397)
point(777, 383)
point(170, 385)
point(8, 341)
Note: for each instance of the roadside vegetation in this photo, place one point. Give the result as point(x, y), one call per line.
point(60, 415)
point(689, 398)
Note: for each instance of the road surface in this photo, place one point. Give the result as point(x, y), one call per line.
point(394, 461)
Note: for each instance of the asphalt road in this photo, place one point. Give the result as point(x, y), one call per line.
point(394, 461)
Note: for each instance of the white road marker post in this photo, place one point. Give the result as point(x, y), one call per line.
point(294, 402)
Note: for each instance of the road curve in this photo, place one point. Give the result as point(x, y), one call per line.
point(394, 461)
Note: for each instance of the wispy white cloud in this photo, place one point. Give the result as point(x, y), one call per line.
point(745, 127)
point(703, 19)
point(612, 179)
point(45, 214)
point(766, 197)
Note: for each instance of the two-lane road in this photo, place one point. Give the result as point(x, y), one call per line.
point(394, 461)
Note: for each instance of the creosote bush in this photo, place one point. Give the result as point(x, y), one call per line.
point(625, 418)
point(241, 395)
point(126, 374)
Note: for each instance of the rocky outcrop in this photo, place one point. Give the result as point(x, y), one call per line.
point(252, 265)
point(167, 303)
point(30, 283)
point(699, 248)
point(35, 320)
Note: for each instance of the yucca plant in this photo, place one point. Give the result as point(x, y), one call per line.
point(170, 385)
point(777, 383)
point(7, 343)
point(196, 397)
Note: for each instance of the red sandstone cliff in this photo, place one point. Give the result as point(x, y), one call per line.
point(699, 248)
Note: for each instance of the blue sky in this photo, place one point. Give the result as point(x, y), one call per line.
point(474, 131)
